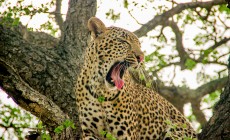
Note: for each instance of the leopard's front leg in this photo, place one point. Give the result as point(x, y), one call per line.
point(86, 135)
point(89, 138)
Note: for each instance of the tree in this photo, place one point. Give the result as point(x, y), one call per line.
point(39, 71)
point(218, 127)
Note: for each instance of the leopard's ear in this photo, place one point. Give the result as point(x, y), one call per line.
point(96, 26)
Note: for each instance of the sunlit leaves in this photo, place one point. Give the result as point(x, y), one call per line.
point(142, 77)
point(64, 125)
point(191, 118)
point(11, 15)
point(126, 4)
point(212, 98)
point(16, 21)
point(201, 39)
point(45, 136)
point(15, 121)
point(42, 131)
point(206, 52)
point(112, 15)
point(59, 129)
point(108, 135)
point(49, 26)
point(148, 84)
point(224, 8)
point(190, 64)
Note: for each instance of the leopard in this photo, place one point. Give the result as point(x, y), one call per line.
point(111, 105)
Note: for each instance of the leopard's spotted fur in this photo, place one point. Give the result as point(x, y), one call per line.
point(133, 112)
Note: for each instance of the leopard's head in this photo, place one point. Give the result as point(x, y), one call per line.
point(116, 50)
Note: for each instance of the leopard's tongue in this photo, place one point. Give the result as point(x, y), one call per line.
point(119, 83)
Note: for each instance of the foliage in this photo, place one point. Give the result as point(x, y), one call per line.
point(173, 128)
point(101, 99)
point(66, 124)
point(212, 98)
point(11, 13)
point(42, 131)
point(223, 8)
point(108, 135)
point(14, 122)
point(111, 15)
point(202, 49)
point(190, 64)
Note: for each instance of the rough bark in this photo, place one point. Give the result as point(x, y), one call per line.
point(41, 78)
point(218, 127)
point(39, 72)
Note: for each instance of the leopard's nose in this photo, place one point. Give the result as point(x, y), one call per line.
point(140, 58)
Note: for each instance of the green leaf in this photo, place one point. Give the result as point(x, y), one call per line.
point(40, 125)
point(103, 133)
point(45, 136)
point(148, 58)
point(214, 95)
point(126, 4)
point(109, 136)
point(27, 11)
point(224, 8)
point(204, 61)
point(191, 118)
point(190, 64)
point(9, 15)
point(16, 22)
point(101, 99)
point(168, 122)
point(188, 17)
point(207, 52)
point(69, 123)
point(59, 129)
point(162, 63)
point(148, 84)
point(184, 126)
point(142, 77)
point(113, 138)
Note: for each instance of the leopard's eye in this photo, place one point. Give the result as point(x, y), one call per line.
point(120, 40)
point(125, 42)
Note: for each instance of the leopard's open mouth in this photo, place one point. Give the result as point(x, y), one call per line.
point(115, 74)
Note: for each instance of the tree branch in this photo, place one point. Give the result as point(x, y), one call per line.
point(186, 95)
point(216, 45)
point(160, 19)
point(164, 66)
point(47, 72)
point(218, 126)
point(74, 40)
point(58, 16)
point(37, 78)
point(209, 87)
point(200, 117)
point(36, 38)
point(30, 99)
point(179, 43)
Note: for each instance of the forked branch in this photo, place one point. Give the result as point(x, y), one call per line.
point(160, 19)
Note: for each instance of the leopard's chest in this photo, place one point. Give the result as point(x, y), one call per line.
point(117, 116)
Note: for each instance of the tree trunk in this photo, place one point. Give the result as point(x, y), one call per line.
point(40, 73)
point(218, 127)
point(41, 78)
